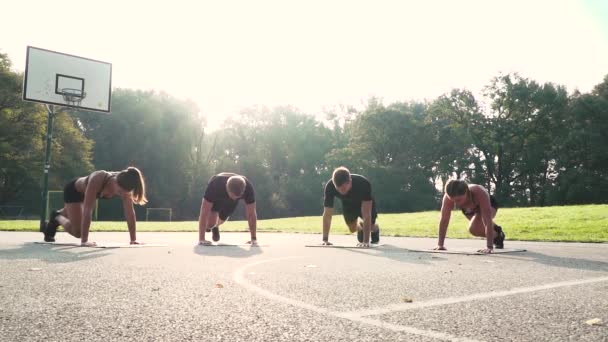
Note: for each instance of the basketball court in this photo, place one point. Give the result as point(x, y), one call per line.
point(284, 291)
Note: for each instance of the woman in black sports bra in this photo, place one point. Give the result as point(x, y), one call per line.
point(478, 206)
point(79, 197)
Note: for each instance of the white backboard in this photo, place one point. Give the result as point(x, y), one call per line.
point(48, 74)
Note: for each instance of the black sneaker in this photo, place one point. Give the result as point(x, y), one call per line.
point(499, 239)
point(51, 228)
point(376, 236)
point(360, 235)
point(215, 234)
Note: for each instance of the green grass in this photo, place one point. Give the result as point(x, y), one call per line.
point(583, 223)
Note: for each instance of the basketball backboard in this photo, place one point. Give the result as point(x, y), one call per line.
point(66, 80)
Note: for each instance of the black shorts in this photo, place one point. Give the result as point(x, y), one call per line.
point(352, 213)
point(224, 209)
point(71, 195)
point(470, 214)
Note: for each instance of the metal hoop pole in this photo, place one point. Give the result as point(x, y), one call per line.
point(47, 166)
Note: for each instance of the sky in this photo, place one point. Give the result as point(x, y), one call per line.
point(314, 55)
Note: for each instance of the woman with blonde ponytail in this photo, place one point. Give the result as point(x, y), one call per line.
point(79, 197)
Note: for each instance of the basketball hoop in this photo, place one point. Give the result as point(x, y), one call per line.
point(73, 97)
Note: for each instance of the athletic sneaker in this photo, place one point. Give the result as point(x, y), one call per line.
point(51, 227)
point(215, 234)
point(376, 236)
point(499, 239)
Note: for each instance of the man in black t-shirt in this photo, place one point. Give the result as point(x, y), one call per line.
point(221, 197)
point(355, 191)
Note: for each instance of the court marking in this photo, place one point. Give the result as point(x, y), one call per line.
point(359, 315)
point(102, 245)
point(239, 278)
point(469, 298)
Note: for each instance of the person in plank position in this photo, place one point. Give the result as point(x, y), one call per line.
point(478, 206)
point(355, 191)
point(223, 192)
point(79, 197)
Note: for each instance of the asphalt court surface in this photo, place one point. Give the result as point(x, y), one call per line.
point(284, 291)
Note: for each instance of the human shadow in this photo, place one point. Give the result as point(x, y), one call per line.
point(560, 261)
point(51, 254)
point(231, 251)
point(404, 255)
point(397, 253)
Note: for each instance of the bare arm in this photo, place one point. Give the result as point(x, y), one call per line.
point(90, 196)
point(252, 219)
point(447, 206)
point(127, 207)
point(327, 214)
point(485, 209)
point(203, 218)
point(366, 211)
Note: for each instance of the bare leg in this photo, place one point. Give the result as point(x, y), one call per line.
point(354, 226)
point(358, 225)
point(212, 221)
point(476, 226)
point(71, 218)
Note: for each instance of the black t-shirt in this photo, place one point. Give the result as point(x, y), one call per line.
point(360, 191)
point(216, 189)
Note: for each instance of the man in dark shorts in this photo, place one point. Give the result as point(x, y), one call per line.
point(223, 192)
point(355, 191)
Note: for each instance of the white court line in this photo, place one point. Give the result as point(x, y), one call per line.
point(478, 296)
point(240, 279)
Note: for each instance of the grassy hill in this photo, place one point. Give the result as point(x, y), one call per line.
point(584, 223)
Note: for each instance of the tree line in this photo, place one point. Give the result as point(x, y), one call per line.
point(530, 143)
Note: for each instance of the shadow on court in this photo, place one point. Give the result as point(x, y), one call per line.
point(561, 262)
point(398, 254)
point(51, 254)
point(228, 251)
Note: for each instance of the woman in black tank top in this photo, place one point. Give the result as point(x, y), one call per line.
point(79, 197)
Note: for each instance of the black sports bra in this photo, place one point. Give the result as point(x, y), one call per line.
point(103, 184)
point(471, 211)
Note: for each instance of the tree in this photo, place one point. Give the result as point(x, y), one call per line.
point(281, 150)
point(389, 146)
point(22, 137)
point(583, 163)
point(160, 135)
point(458, 146)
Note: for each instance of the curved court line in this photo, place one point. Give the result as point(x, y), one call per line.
point(240, 279)
point(478, 296)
